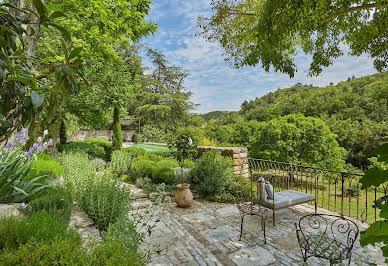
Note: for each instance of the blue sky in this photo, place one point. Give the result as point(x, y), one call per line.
point(214, 84)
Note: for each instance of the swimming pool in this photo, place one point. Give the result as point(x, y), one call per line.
point(147, 147)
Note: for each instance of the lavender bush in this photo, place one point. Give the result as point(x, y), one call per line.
point(15, 164)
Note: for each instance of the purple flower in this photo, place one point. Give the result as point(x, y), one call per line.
point(50, 142)
point(45, 144)
point(31, 150)
point(45, 132)
point(40, 139)
point(28, 155)
point(9, 145)
point(25, 130)
point(40, 148)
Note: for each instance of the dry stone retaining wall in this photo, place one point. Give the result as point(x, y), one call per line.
point(239, 156)
point(128, 135)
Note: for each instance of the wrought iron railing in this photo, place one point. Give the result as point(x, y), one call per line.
point(336, 191)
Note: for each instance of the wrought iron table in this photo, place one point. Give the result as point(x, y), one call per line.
point(252, 208)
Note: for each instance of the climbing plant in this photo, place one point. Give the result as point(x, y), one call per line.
point(375, 176)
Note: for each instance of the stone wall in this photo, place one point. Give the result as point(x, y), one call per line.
point(238, 154)
point(128, 135)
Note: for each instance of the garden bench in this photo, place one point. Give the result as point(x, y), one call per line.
point(282, 199)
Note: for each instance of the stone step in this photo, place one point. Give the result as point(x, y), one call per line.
point(141, 204)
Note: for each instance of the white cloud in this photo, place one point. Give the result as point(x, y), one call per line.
point(215, 85)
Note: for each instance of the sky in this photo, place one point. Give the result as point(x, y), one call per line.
point(214, 84)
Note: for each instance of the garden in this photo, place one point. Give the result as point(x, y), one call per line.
point(175, 191)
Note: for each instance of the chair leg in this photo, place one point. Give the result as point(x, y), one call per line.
point(263, 228)
point(242, 225)
point(350, 258)
point(273, 217)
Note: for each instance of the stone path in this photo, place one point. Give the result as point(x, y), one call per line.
point(81, 222)
point(208, 234)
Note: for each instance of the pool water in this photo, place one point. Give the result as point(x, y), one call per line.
point(147, 147)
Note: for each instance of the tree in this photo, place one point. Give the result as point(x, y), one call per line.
point(297, 139)
point(23, 76)
point(62, 133)
point(162, 99)
point(117, 139)
point(106, 31)
point(375, 176)
point(272, 32)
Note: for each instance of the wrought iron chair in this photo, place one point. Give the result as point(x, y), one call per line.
point(326, 236)
point(251, 207)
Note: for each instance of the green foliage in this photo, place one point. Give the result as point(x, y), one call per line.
point(163, 173)
point(355, 110)
point(57, 202)
point(96, 148)
point(377, 175)
point(126, 232)
point(98, 194)
point(164, 154)
point(212, 173)
point(239, 189)
point(272, 33)
point(104, 200)
point(120, 163)
point(215, 116)
point(220, 133)
point(163, 102)
point(40, 227)
point(135, 151)
point(45, 165)
point(243, 132)
point(117, 139)
point(297, 139)
point(70, 252)
point(14, 170)
point(142, 168)
point(154, 134)
point(63, 251)
point(24, 90)
point(153, 156)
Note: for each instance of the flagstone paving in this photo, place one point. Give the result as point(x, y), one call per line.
point(208, 234)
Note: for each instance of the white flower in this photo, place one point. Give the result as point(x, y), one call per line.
point(45, 132)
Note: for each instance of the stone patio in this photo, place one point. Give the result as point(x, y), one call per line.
point(208, 234)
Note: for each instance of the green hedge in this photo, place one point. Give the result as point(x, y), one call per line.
point(212, 173)
point(96, 148)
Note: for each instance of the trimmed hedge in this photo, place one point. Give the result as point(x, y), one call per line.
point(96, 148)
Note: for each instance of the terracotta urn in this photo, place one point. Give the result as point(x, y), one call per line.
point(183, 197)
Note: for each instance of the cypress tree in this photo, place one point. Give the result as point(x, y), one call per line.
point(117, 139)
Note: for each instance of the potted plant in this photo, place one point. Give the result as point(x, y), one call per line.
point(183, 149)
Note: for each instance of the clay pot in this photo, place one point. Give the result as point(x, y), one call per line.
point(183, 197)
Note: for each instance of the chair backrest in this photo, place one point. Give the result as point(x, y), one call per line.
point(338, 228)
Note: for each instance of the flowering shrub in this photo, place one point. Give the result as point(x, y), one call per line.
point(15, 164)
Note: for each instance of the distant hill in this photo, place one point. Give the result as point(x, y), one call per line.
point(215, 115)
point(356, 110)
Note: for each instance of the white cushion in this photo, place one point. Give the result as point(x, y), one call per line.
point(261, 193)
point(286, 198)
point(269, 190)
